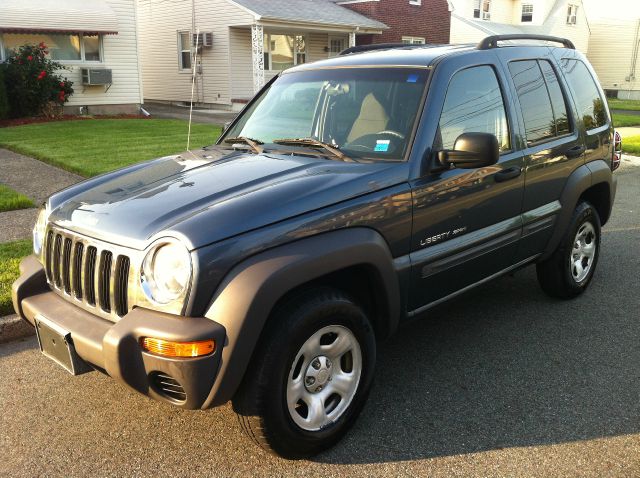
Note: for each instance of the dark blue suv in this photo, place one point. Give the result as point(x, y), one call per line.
point(350, 195)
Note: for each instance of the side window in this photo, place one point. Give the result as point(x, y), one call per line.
point(557, 98)
point(534, 100)
point(541, 100)
point(591, 107)
point(474, 104)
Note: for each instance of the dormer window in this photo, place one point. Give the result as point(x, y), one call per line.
point(482, 9)
point(527, 12)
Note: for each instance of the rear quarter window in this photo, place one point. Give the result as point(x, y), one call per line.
point(591, 107)
point(543, 106)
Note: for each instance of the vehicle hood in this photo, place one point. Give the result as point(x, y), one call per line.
point(209, 195)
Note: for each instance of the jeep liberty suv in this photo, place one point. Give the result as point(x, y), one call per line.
point(350, 195)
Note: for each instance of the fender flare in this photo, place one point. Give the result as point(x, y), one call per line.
point(581, 179)
point(247, 295)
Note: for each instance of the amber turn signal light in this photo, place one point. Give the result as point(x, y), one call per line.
point(167, 348)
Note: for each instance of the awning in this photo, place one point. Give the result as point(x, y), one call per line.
point(56, 16)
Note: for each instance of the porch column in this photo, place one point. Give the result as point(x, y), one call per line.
point(352, 39)
point(257, 55)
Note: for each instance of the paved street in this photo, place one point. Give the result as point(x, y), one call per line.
point(502, 382)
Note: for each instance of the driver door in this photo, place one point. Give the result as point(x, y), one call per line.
point(466, 222)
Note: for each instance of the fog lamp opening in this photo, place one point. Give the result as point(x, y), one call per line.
point(168, 348)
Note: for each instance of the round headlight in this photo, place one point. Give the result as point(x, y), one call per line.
point(39, 231)
point(166, 272)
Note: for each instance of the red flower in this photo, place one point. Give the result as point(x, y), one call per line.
point(42, 75)
point(62, 84)
point(29, 58)
point(42, 45)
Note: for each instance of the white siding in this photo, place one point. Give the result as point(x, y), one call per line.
point(501, 11)
point(159, 25)
point(611, 52)
point(578, 33)
point(241, 63)
point(462, 32)
point(120, 54)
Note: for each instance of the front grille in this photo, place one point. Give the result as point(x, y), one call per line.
point(93, 274)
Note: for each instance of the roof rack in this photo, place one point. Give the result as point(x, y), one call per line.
point(492, 41)
point(383, 46)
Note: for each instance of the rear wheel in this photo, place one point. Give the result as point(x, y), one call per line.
point(310, 375)
point(568, 272)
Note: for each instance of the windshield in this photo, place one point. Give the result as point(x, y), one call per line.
point(364, 112)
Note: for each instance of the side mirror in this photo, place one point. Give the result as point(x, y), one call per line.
point(470, 151)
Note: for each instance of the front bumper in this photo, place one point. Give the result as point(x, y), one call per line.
point(115, 347)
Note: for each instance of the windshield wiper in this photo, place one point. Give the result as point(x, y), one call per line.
point(315, 143)
point(254, 144)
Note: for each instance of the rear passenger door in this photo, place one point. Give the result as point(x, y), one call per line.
point(552, 145)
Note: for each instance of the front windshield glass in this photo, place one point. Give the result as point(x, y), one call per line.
point(364, 112)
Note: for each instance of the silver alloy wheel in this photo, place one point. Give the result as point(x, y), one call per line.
point(583, 252)
point(324, 377)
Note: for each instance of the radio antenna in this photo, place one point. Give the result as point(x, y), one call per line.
point(193, 84)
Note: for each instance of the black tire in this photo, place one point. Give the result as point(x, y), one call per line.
point(261, 401)
point(556, 275)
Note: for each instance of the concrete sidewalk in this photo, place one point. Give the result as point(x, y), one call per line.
point(38, 181)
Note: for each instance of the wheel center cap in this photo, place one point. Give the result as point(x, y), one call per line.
point(323, 375)
point(318, 373)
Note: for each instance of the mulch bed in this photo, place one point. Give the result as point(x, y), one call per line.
point(6, 123)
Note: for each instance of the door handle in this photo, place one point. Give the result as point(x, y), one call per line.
point(507, 174)
point(576, 151)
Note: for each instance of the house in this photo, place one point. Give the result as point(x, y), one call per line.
point(409, 21)
point(472, 20)
point(96, 40)
point(613, 52)
point(240, 44)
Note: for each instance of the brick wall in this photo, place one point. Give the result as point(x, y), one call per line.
point(431, 20)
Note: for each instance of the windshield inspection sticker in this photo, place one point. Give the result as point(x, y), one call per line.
point(382, 145)
point(412, 79)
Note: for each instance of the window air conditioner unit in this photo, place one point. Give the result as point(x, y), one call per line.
point(204, 39)
point(96, 76)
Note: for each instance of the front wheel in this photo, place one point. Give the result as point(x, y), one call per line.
point(568, 272)
point(310, 375)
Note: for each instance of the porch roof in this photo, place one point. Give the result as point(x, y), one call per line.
point(322, 12)
point(55, 16)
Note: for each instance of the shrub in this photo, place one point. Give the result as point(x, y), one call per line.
point(4, 101)
point(32, 83)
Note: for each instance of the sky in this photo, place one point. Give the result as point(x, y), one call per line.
point(626, 9)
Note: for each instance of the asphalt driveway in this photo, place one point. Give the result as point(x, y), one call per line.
point(502, 382)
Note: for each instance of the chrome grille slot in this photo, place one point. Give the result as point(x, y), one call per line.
point(89, 275)
point(121, 289)
point(66, 265)
point(92, 274)
point(56, 259)
point(76, 270)
point(48, 256)
point(104, 280)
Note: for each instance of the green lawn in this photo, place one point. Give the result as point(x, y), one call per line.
point(91, 147)
point(620, 120)
point(617, 104)
point(10, 255)
point(11, 200)
point(631, 145)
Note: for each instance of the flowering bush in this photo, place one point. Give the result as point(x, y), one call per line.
point(33, 86)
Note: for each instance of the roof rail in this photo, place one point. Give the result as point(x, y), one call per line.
point(376, 46)
point(492, 41)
